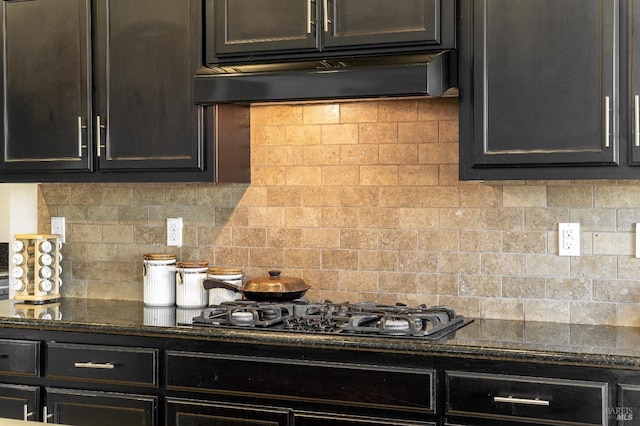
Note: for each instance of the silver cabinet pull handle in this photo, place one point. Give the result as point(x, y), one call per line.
point(105, 366)
point(80, 128)
point(524, 401)
point(607, 109)
point(45, 415)
point(325, 11)
point(636, 119)
point(98, 128)
point(27, 414)
point(309, 22)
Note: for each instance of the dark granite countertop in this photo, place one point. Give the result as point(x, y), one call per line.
point(539, 342)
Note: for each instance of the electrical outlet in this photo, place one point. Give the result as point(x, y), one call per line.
point(58, 227)
point(569, 239)
point(174, 231)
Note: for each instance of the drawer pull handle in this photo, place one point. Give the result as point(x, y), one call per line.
point(105, 366)
point(525, 401)
point(4, 356)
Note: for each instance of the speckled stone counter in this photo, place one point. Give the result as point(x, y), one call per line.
point(571, 344)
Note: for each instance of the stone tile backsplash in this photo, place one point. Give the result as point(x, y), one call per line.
point(362, 200)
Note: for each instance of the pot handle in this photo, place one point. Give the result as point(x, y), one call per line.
point(209, 284)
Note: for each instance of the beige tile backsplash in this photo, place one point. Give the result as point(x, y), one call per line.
point(362, 200)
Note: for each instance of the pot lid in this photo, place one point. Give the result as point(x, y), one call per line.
point(275, 283)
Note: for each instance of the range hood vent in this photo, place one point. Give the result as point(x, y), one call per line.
point(398, 75)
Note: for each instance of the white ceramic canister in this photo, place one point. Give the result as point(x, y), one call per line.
point(233, 276)
point(159, 273)
point(190, 292)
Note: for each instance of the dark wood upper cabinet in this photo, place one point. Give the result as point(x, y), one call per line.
point(146, 54)
point(539, 87)
point(46, 88)
point(102, 90)
point(252, 29)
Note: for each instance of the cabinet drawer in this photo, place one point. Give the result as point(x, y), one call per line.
point(136, 366)
point(362, 385)
point(19, 357)
point(528, 399)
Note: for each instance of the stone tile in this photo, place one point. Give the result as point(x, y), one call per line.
point(613, 290)
point(320, 237)
point(438, 110)
point(321, 113)
point(359, 197)
point(364, 239)
point(379, 175)
point(340, 134)
point(628, 268)
point(506, 309)
point(417, 261)
point(397, 283)
point(523, 287)
point(378, 260)
point(418, 132)
point(460, 219)
point(547, 265)
point(448, 131)
point(266, 257)
point(418, 175)
point(284, 197)
point(133, 214)
point(267, 216)
point(419, 197)
point(150, 234)
point(378, 133)
point(85, 194)
point(480, 196)
point(84, 233)
point(117, 196)
point(398, 110)
point(359, 281)
point(486, 286)
point(181, 195)
point(503, 264)
point(303, 135)
point(400, 154)
point(435, 240)
point(547, 310)
point(464, 305)
point(102, 252)
point(340, 217)
point(594, 267)
point(569, 288)
point(594, 219)
point(525, 242)
point(102, 214)
point(409, 218)
point(621, 196)
point(321, 197)
point(122, 234)
point(577, 196)
point(249, 237)
point(54, 193)
point(276, 115)
point(359, 155)
point(613, 244)
point(504, 219)
point(321, 155)
point(340, 175)
point(359, 112)
point(460, 263)
point(214, 196)
point(373, 217)
point(302, 258)
point(284, 237)
point(438, 153)
point(481, 241)
point(448, 174)
point(545, 219)
point(446, 284)
point(198, 215)
point(524, 196)
point(340, 259)
point(303, 176)
point(267, 135)
point(148, 196)
point(593, 313)
point(302, 216)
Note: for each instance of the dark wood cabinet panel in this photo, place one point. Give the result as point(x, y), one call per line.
point(147, 52)
point(20, 357)
point(633, 69)
point(247, 30)
point(100, 408)
point(47, 85)
point(539, 86)
point(19, 402)
point(181, 412)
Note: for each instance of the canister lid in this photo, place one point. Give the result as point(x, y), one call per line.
point(217, 270)
point(196, 264)
point(159, 256)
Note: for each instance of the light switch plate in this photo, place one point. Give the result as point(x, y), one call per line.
point(569, 239)
point(638, 240)
point(174, 231)
point(58, 227)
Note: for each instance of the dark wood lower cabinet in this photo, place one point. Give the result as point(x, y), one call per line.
point(19, 402)
point(183, 412)
point(76, 407)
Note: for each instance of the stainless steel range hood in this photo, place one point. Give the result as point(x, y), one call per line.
point(397, 75)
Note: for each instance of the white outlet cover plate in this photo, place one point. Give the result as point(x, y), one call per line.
point(174, 231)
point(569, 239)
point(58, 227)
point(638, 240)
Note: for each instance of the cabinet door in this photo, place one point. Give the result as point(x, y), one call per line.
point(182, 412)
point(539, 86)
point(75, 407)
point(378, 22)
point(46, 86)
point(626, 411)
point(634, 73)
point(246, 26)
point(147, 52)
point(19, 402)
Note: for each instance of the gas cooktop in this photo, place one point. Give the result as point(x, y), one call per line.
point(302, 315)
